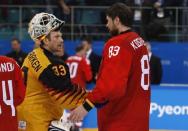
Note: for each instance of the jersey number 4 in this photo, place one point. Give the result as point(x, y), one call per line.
point(145, 76)
point(9, 102)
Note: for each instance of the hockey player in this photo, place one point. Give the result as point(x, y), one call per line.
point(122, 89)
point(12, 92)
point(48, 85)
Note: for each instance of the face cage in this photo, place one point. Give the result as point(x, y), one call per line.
point(41, 32)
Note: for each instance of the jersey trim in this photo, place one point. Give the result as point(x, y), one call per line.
point(88, 105)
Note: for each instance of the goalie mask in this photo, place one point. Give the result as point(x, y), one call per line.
point(42, 24)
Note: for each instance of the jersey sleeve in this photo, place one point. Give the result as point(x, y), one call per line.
point(87, 69)
point(113, 75)
point(56, 77)
point(51, 71)
point(19, 86)
point(53, 74)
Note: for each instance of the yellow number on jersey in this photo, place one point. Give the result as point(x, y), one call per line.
point(59, 70)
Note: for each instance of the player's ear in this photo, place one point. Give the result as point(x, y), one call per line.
point(46, 40)
point(116, 20)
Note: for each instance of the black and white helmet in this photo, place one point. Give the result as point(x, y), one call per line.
point(42, 24)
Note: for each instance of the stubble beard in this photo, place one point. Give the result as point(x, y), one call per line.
point(114, 31)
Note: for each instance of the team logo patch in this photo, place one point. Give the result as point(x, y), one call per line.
point(22, 125)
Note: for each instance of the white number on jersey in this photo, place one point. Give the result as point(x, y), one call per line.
point(113, 51)
point(73, 67)
point(9, 102)
point(145, 72)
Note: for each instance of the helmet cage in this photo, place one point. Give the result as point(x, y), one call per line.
point(42, 24)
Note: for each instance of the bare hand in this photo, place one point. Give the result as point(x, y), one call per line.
point(77, 114)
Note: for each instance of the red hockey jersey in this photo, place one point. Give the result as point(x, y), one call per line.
point(123, 84)
point(80, 70)
point(12, 92)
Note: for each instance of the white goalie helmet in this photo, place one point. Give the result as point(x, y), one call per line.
point(42, 24)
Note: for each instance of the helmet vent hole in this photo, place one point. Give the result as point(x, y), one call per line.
point(45, 20)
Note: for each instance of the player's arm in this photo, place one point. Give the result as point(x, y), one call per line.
point(113, 77)
point(56, 77)
point(19, 86)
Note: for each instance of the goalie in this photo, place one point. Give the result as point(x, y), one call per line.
point(48, 86)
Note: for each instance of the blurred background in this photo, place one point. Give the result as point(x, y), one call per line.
point(163, 23)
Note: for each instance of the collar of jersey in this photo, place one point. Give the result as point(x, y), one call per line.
point(46, 52)
point(124, 32)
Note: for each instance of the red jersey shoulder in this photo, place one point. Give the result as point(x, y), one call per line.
point(74, 58)
point(8, 64)
point(8, 59)
point(114, 45)
point(86, 61)
point(74, 61)
point(130, 40)
point(78, 59)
